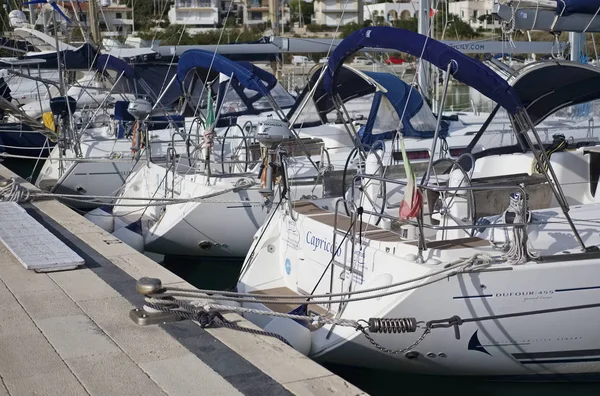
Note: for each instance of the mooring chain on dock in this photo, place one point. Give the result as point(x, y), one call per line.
point(208, 319)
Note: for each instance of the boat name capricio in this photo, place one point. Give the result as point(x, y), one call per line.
point(322, 244)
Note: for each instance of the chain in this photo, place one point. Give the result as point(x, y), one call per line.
point(213, 319)
point(377, 345)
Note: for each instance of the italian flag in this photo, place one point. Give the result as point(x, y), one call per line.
point(413, 199)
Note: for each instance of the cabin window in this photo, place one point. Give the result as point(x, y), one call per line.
point(356, 106)
point(456, 152)
point(281, 97)
point(412, 155)
point(232, 103)
point(309, 115)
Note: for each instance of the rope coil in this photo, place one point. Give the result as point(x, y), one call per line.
point(14, 192)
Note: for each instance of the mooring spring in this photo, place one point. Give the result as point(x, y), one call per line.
point(392, 325)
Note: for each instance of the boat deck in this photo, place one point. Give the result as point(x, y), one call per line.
point(549, 232)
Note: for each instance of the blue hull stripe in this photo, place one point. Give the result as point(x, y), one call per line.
point(577, 289)
point(477, 296)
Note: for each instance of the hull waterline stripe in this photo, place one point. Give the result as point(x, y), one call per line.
point(596, 359)
point(557, 354)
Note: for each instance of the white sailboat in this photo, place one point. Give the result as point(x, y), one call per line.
point(489, 270)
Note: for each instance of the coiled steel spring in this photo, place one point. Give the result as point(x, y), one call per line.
point(392, 325)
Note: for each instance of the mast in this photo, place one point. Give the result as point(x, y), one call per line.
point(423, 16)
point(274, 15)
point(31, 14)
point(93, 23)
point(575, 40)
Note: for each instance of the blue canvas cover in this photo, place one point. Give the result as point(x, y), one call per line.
point(194, 58)
point(465, 69)
point(264, 75)
point(568, 7)
point(80, 58)
point(109, 62)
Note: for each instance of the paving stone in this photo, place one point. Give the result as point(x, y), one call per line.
point(20, 281)
point(60, 383)
point(138, 266)
point(106, 244)
point(3, 390)
point(324, 386)
point(270, 355)
point(26, 356)
point(16, 323)
point(48, 304)
point(76, 336)
point(109, 313)
point(188, 375)
point(113, 374)
point(83, 284)
point(6, 257)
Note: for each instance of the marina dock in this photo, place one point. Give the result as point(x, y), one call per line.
point(69, 332)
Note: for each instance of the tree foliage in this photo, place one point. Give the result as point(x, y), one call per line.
point(454, 28)
point(177, 35)
point(351, 27)
point(304, 7)
point(146, 15)
point(411, 24)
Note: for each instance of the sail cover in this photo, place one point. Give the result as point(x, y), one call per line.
point(568, 7)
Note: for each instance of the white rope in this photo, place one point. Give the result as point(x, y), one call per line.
point(209, 306)
point(14, 192)
point(475, 262)
point(516, 251)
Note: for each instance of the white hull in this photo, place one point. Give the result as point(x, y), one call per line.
point(102, 170)
point(293, 254)
point(221, 226)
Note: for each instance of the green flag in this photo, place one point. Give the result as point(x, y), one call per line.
point(210, 111)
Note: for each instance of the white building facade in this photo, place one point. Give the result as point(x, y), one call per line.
point(117, 18)
point(391, 12)
point(470, 11)
point(197, 15)
point(337, 12)
point(265, 12)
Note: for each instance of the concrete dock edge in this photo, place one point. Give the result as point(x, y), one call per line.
point(69, 332)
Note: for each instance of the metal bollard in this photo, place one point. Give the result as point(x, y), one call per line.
point(151, 287)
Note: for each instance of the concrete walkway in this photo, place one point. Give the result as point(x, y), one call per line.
point(69, 333)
